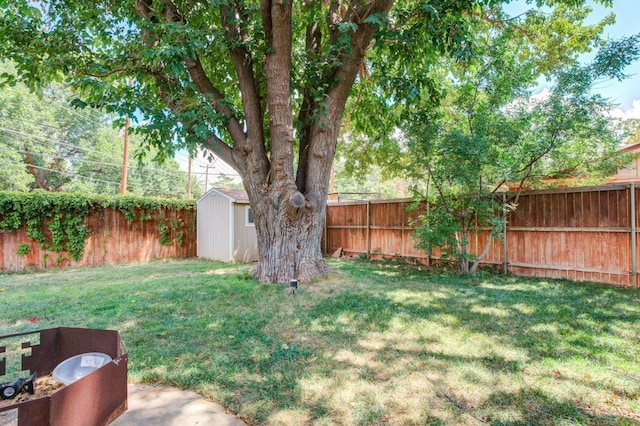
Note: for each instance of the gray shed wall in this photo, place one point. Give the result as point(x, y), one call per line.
point(214, 227)
point(245, 241)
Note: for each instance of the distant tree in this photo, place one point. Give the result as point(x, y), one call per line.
point(376, 183)
point(466, 125)
point(538, 42)
point(36, 137)
point(47, 144)
point(163, 178)
point(13, 173)
point(632, 131)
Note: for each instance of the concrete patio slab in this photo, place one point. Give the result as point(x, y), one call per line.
point(168, 406)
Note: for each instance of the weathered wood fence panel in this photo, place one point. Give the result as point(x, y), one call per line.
point(375, 228)
point(112, 240)
point(583, 234)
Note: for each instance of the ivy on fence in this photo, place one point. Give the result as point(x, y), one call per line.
point(56, 221)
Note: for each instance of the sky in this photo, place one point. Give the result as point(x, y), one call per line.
point(627, 92)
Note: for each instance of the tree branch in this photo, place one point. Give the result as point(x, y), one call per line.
point(313, 46)
point(482, 255)
point(277, 21)
point(233, 19)
point(536, 158)
point(222, 150)
point(503, 22)
point(440, 193)
point(252, 142)
point(110, 73)
point(194, 67)
point(340, 80)
point(215, 97)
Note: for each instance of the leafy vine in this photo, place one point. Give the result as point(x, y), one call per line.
point(170, 231)
point(56, 221)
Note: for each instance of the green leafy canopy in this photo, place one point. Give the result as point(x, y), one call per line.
point(129, 58)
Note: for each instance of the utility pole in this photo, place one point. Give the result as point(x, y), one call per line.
point(206, 180)
point(125, 159)
point(206, 176)
point(189, 179)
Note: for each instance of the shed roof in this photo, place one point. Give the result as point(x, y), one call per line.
point(234, 195)
point(633, 148)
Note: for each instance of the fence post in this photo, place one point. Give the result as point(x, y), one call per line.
point(326, 233)
point(429, 248)
point(504, 236)
point(368, 229)
point(634, 266)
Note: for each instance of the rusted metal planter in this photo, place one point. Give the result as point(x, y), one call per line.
point(96, 399)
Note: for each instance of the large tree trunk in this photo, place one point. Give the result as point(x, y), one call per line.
point(289, 241)
point(290, 216)
point(290, 206)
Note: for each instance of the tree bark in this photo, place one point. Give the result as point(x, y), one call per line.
point(484, 254)
point(289, 242)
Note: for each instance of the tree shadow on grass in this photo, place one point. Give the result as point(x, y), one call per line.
point(448, 346)
point(545, 324)
point(535, 407)
point(542, 325)
point(385, 344)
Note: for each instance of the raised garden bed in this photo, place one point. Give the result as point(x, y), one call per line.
point(95, 399)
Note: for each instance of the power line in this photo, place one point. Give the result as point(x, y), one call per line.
point(40, 124)
point(216, 163)
point(77, 112)
point(37, 138)
point(43, 139)
point(53, 155)
point(216, 174)
point(62, 172)
point(91, 178)
point(196, 159)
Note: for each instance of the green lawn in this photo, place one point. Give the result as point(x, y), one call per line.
point(375, 344)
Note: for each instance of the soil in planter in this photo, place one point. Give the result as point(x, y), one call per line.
point(43, 386)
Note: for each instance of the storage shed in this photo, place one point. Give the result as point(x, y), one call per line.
point(226, 230)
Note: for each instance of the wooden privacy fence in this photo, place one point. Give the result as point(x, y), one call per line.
point(165, 233)
point(583, 234)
